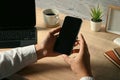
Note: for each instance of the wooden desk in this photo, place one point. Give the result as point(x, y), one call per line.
point(54, 68)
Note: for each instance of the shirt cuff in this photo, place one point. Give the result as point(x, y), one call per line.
point(87, 78)
point(29, 54)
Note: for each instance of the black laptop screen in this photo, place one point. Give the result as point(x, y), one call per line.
point(17, 13)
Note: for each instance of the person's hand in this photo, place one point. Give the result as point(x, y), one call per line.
point(80, 63)
point(45, 48)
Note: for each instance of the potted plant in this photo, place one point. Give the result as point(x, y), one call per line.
point(96, 20)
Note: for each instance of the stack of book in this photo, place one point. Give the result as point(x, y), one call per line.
point(114, 56)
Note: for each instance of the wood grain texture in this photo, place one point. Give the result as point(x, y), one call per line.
point(54, 68)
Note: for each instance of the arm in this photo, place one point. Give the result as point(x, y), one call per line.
point(15, 59)
point(80, 64)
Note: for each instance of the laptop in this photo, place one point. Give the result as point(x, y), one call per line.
point(17, 23)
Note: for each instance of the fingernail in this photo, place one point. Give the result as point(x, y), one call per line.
point(63, 55)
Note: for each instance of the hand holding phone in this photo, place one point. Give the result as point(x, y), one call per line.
point(68, 34)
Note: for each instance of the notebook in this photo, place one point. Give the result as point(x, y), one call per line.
point(117, 52)
point(113, 56)
point(17, 23)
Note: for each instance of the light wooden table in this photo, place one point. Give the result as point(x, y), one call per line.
point(54, 68)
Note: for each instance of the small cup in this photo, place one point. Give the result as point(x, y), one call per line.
point(51, 17)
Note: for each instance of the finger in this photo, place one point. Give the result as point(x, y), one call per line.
point(66, 58)
point(85, 50)
point(85, 44)
point(75, 50)
point(56, 35)
point(81, 42)
point(76, 43)
point(83, 39)
point(55, 31)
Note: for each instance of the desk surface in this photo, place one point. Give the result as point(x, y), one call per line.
point(54, 68)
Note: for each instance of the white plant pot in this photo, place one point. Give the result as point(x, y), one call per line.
point(96, 26)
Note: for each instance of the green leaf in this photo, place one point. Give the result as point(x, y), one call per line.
point(96, 13)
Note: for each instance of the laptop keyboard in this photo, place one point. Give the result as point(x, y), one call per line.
point(17, 35)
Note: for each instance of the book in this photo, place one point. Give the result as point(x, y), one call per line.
point(117, 51)
point(113, 56)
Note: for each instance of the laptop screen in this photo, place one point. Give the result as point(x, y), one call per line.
point(17, 14)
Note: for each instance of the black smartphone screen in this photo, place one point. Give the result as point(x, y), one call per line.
point(68, 34)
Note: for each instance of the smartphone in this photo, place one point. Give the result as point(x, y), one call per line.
point(68, 34)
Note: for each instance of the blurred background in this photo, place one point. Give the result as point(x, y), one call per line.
point(77, 8)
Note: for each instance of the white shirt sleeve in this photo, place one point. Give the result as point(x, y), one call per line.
point(13, 60)
point(87, 78)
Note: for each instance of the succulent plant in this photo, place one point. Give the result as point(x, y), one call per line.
point(96, 14)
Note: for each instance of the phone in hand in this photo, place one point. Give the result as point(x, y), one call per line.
point(68, 34)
